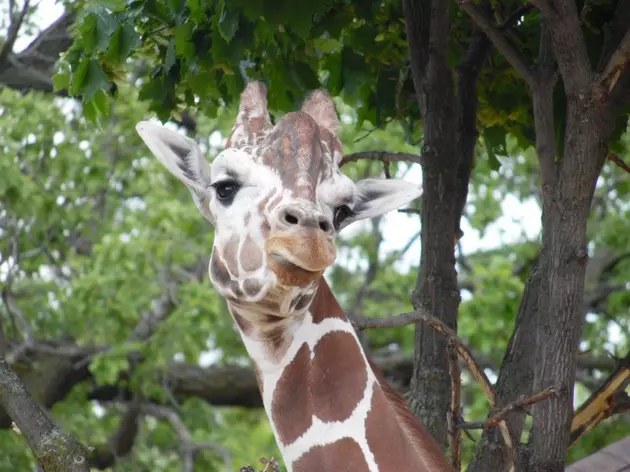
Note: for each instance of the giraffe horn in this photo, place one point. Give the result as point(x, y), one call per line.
point(252, 121)
point(320, 106)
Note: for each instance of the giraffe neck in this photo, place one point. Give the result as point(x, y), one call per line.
point(328, 409)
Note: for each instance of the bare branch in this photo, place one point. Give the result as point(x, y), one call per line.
point(12, 34)
point(55, 451)
point(609, 399)
point(382, 156)
point(500, 415)
point(188, 447)
point(618, 161)
point(500, 41)
point(454, 416)
point(616, 65)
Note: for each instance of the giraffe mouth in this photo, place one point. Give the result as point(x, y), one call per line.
point(285, 261)
point(298, 261)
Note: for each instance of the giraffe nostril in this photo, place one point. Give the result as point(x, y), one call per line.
point(291, 219)
point(324, 226)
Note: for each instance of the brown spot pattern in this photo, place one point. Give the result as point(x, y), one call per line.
point(342, 455)
point(391, 448)
point(250, 256)
point(236, 289)
point(251, 287)
point(229, 254)
point(290, 411)
point(325, 304)
point(337, 366)
point(300, 303)
point(219, 271)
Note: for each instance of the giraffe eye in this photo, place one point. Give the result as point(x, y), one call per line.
point(226, 191)
point(341, 213)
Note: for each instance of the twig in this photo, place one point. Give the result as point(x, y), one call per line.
point(619, 161)
point(54, 450)
point(413, 211)
point(382, 156)
point(616, 64)
point(188, 446)
point(12, 33)
point(604, 402)
point(386, 170)
point(273, 463)
point(500, 41)
point(462, 350)
point(422, 316)
point(509, 408)
point(370, 131)
point(454, 416)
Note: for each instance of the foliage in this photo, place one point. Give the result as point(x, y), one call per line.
point(102, 230)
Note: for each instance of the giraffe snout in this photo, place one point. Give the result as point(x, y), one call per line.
point(296, 216)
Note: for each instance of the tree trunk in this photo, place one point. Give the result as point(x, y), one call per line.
point(516, 378)
point(567, 196)
point(450, 135)
point(436, 288)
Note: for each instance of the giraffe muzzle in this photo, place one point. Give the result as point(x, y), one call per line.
point(299, 257)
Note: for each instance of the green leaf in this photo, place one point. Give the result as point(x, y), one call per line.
point(228, 24)
point(96, 29)
point(61, 80)
point(94, 80)
point(197, 11)
point(170, 57)
point(326, 45)
point(123, 42)
point(79, 77)
point(494, 163)
point(183, 46)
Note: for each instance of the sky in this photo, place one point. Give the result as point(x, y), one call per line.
point(519, 220)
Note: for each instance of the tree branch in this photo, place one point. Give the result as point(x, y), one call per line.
point(500, 41)
point(15, 24)
point(609, 399)
point(418, 31)
point(463, 351)
point(616, 65)
point(32, 68)
point(382, 156)
point(568, 43)
point(188, 447)
point(54, 450)
point(502, 414)
point(454, 416)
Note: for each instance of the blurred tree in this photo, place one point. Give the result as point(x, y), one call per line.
point(104, 258)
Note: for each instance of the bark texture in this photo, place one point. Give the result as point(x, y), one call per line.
point(450, 134)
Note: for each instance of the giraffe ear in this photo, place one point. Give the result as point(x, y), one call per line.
point(253, 119)
point(183, 158)
point(321, 107)
point(376, 197)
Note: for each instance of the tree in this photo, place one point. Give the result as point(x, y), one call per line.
point(536, 76)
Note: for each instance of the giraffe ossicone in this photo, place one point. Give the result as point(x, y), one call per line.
point(277, 200)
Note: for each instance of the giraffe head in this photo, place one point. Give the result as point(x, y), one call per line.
point(275, 194)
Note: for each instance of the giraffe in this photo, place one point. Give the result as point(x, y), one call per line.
point(277, 200)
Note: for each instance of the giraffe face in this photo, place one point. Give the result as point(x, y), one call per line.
point(275, 194)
